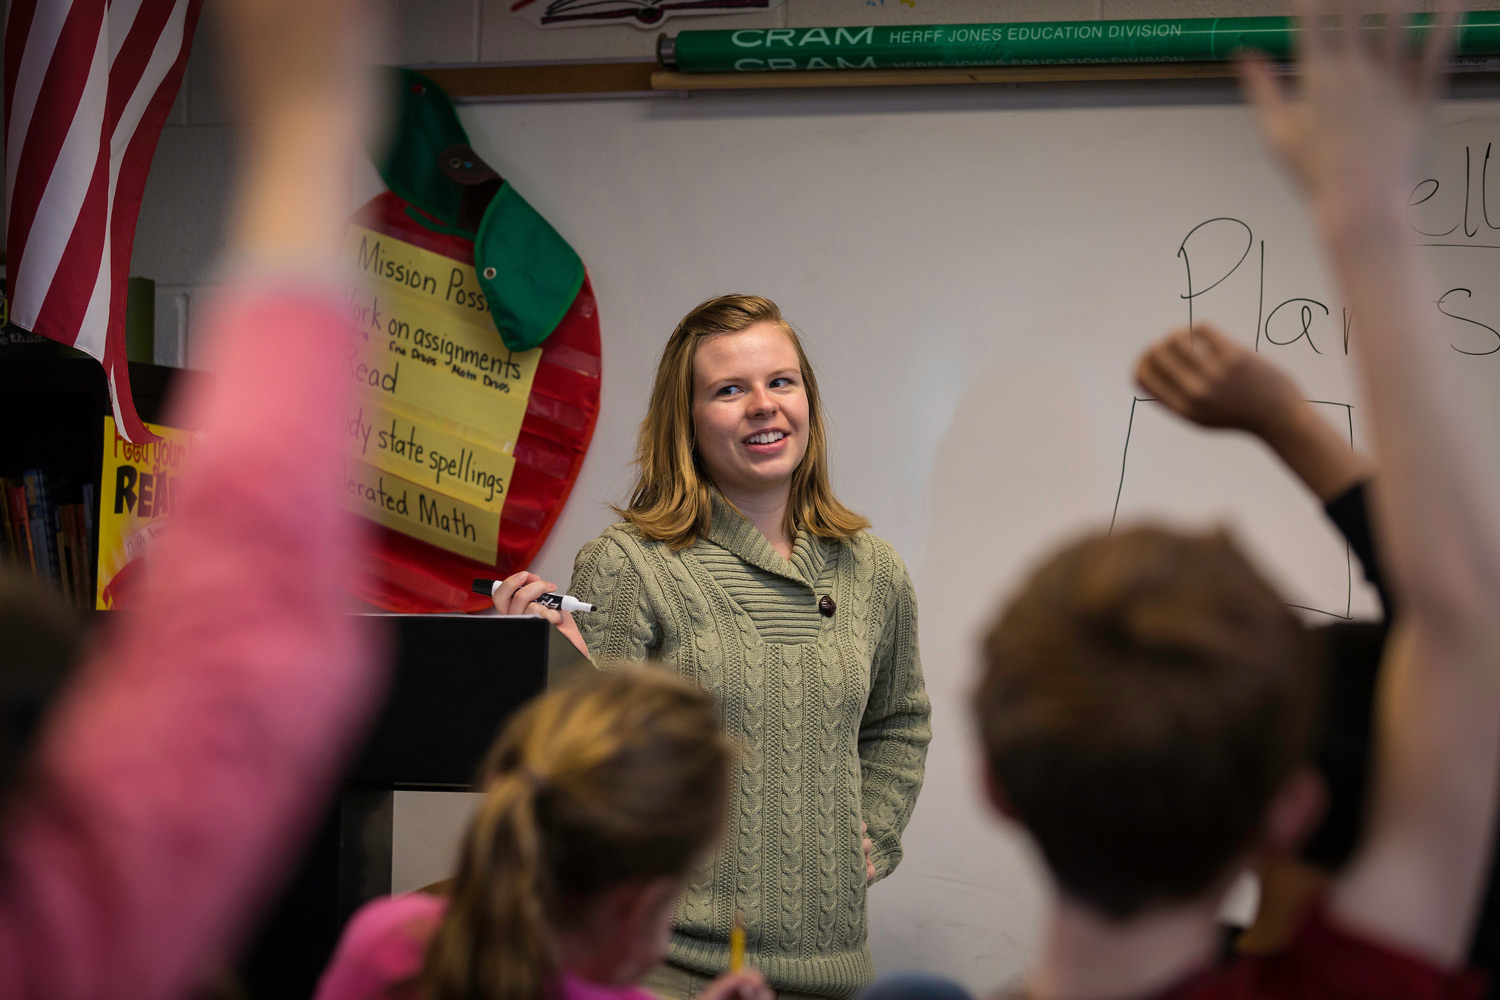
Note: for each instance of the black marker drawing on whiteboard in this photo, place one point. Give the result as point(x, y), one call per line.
point(1262, 320)
point(1346, 419)
point(1306, 316)
point(1427, 189)
point(1484, 186)
point(1468, 170)
point(1414, 201)
point(1187, 263)
point(1129, 427)
point(1468, 293)
point(1284, 331)
point(1260, 301)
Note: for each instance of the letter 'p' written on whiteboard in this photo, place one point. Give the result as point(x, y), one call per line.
point(439, 399)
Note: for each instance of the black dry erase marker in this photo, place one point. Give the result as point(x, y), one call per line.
point(557, 602)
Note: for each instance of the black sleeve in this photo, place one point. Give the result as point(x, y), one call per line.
point(1351, 653)
point(1350, 513)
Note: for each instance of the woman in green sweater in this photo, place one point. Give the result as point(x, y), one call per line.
point(737, 566)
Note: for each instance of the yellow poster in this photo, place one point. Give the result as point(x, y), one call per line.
point(439, 399)
point(137, 485)
point(408, 508)
point(440, 456)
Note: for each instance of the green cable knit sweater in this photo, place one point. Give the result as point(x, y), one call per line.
point(830, 713)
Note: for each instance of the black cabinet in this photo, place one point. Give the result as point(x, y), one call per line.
point(457, 679)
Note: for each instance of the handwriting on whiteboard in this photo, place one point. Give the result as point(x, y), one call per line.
point(1222, 252)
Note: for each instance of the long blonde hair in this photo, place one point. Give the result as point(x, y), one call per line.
point(671, 501)
point(611, 778)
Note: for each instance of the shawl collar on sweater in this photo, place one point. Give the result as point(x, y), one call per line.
point(732, 532)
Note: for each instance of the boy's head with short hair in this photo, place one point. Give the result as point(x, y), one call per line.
point(1145, 698)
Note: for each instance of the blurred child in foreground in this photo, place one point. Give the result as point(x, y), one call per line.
point(158, 802)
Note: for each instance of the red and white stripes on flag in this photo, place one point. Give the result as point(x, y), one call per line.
point(88, 84)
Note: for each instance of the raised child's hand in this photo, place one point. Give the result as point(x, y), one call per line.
point(299, 74)
point(1206, 378)
point(1350, 134)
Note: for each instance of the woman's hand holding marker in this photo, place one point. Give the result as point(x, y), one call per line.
point(517, 594)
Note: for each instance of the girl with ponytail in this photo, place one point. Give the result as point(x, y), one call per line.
point(601, 798)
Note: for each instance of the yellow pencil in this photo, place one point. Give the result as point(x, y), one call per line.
point(736, 945)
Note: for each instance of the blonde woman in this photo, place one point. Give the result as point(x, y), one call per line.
point(736, 565)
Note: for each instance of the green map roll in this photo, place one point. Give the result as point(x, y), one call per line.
point(1205, 39)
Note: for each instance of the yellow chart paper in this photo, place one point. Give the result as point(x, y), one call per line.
point(440, 398)
point(422, 344)
point(442, 459)
point(408, 508)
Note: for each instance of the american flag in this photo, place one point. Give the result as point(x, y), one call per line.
point(88, 84)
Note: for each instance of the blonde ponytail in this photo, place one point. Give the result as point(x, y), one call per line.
point(612, 778)
point(496, 942)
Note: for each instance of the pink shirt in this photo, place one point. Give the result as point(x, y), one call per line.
point(381, 954)
point(173, 783)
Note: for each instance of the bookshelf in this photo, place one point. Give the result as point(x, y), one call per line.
point(53, 402)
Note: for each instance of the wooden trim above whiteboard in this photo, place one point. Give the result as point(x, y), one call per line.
point(669, 80)
point(513, 82)
point(584, 79)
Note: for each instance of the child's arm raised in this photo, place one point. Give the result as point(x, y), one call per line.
point(1349, 141)
point(176, 779)
point(1203, 376)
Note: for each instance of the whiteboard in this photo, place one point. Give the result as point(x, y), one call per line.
point(974, 273)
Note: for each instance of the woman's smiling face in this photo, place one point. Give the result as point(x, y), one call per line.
point(749, 409)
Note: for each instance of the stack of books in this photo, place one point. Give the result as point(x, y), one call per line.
point(51, 539)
